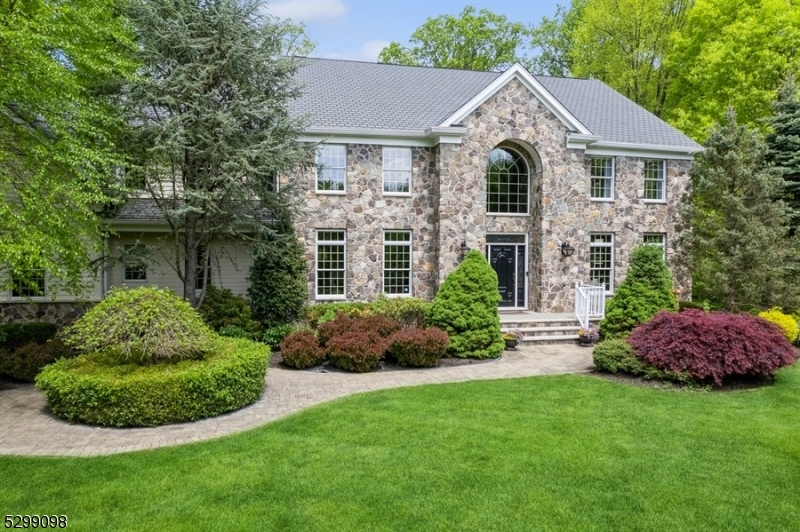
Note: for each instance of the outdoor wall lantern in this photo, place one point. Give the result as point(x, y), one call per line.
point(566, 249)
point(464, 248)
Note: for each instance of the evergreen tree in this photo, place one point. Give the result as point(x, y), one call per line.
point(211, 123)
point(647, 288)
point(783, 144)
point(733, 230)
point(466, 308)
point(278, 287)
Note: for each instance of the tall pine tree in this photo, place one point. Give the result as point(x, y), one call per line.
point(783, 144)
point(734, 224)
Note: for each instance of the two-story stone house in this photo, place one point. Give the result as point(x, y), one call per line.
point(555, 179)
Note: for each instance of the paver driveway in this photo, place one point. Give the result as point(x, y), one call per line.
point(28, 428)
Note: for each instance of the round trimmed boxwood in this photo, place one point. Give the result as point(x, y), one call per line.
point(99, 389)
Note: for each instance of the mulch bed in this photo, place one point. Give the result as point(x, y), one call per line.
point(276, 361)
point(732, 385)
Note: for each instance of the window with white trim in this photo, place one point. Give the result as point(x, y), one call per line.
point(658, 240)
point(331, 168)
point(601, 260)
point(396, 170)
point(654, 180)
point(33, 286)
point(602, 178)
point(135, 267)
point(203, 275)
point(507, 182)
point(331, 264)
point(397, 262)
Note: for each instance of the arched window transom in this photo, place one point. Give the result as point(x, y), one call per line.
point(507, 183)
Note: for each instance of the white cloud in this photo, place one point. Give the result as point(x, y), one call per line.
point(307, 10)
point(369, 52)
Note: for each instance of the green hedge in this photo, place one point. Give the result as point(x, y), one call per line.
point(14, 335)
point(97, 389)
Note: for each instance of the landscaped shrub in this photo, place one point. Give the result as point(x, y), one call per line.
point(356, 351)
point(14, 335)
point(466, 309)
point(647, 288)
point(711, 346)
point(100, 390)
point(320, 313)
point(234, 331)
point(786, 322)
point(275, 335)
point(407, 311)
point(222, 308)
point(418, 347)
point(278, 287)
point(700, 305)
point(380, 325)
point(142, 324)
point(617, 356)
point(301, 350)
point(25, 362)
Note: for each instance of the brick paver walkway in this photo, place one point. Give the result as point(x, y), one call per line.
point(28, 428)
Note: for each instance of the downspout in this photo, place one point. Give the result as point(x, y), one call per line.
point(104, 279)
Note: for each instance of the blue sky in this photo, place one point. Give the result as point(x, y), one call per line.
point(359, 29)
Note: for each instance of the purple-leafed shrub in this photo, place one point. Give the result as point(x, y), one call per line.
point(711, 346)
point(418, 347)
point(380, 325)
point(356, 351)
point(301, 350)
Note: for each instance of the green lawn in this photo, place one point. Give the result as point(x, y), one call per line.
point(546, 453)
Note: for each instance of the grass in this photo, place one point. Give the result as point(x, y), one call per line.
point(544, 453)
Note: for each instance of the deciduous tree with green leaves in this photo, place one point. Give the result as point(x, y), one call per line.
point(733, 230)
point(62, 64)
point(212, 127)
point(473, 40)
point(553, 38)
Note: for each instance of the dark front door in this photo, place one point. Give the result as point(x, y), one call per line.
point(504, 261)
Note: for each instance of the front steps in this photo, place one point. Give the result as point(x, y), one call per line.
point(542, 329)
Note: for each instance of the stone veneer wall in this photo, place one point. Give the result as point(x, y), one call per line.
point(59, 313)
point(365, 211)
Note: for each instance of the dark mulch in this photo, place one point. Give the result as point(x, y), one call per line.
point(276, 361)
point(731, 385)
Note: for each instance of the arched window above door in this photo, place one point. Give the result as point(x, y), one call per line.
point(507, 182)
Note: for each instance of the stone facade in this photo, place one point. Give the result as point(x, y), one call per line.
point(60, 313)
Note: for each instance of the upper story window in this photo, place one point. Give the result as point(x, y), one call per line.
point(507, 183)
point(331, 168)
point(135, 267)
point(602, 180)
point(33, 286)
point(397, 170)
point(654, 180)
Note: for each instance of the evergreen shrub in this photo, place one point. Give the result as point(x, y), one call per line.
point(418, 347)
point(786, 322)
point(234, 331)
point(144, 324)
point(275, 335)
point(617, 356)
point(222, 308)
point(100, 389)
point(356, 351)
point(407, 311)
point(301, 350)
point(712, 346)
point(25, 362)
point(14, 335)
point(466, 309)
point(278, 284)
point(647, 288)
point(319, 313)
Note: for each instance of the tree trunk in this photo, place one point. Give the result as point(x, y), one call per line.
point(190, 265)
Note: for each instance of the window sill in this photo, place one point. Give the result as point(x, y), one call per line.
point(603, 200)
point(332, 192)
point(513, 214)
point(330, 298)
point(397, 194)
point(17, 299)
point(655, 201)
point(398, 296)
point(134, 280)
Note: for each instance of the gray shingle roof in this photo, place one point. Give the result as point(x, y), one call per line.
point(138, 209)
point(352, 94)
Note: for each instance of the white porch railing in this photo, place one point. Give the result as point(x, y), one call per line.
point(590, 303)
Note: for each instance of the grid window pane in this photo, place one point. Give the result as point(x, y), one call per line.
point(507, 182)
point(602, 180)
point(331, 263)
point(34, 287)
point(397, 262)
point(135, 268)
point(202, 275)
point(397, 170)
point(654, 180)
point(601, 260)
point(657, 239)
point(331, 167)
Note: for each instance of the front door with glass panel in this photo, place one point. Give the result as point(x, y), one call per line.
point(506, 254)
